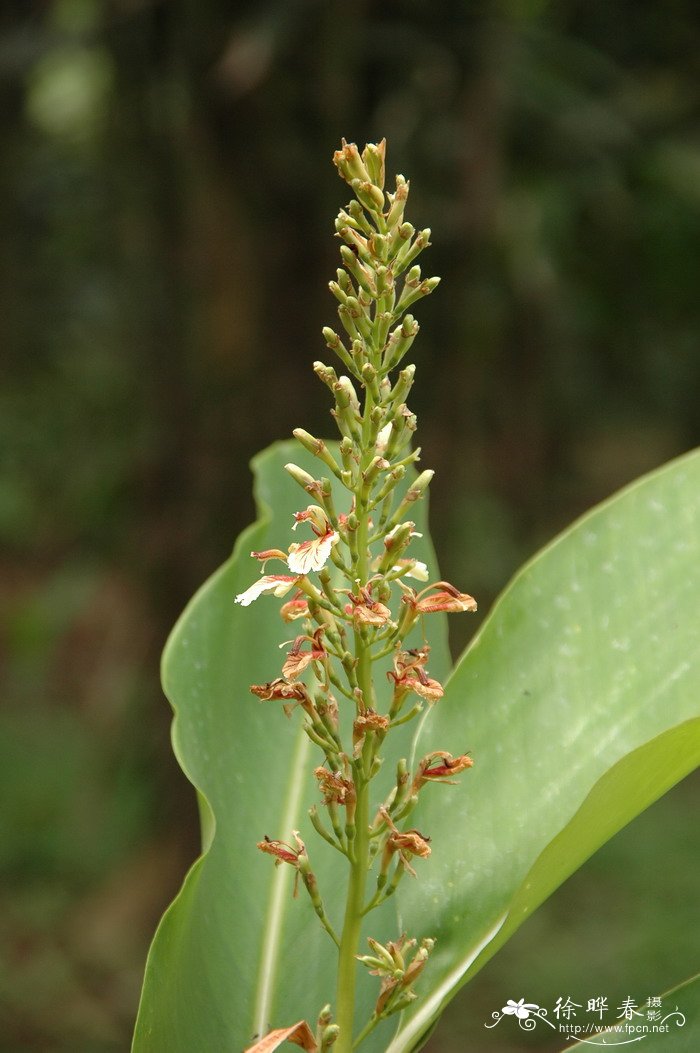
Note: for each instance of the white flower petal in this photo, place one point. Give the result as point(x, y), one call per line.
point(311, 555)
point(279, 584)
point(419, 571)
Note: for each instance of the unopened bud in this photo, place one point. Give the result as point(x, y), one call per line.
point(403, 384)
point(397, 539)
point(325, 373)
point(340, 296)
point(369, 377)
point(325, 1016)
point(355, 240)
point(379, 246)
point(413, 278)
point(393, 479)
point(318, 448)
point(349, 163)
point(421, 485)
point(331, 337)
point(344, 281)
point(398, 204)
point(346, 396)
point(359, 273)
point(360, 219)
point(334, 342)
point(368, 195)
point(411, 294)
point(373, 156)
point(376, 465)
point(346, 452)
point(384, 280)
point(299, 475)
point(414, 493)
point(408, 253)
point(329, 1036)
point(400, 341)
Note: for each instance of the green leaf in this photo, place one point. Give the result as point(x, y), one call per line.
point(579, 700)
point(235, 953)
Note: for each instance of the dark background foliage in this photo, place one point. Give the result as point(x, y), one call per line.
point(166, 205)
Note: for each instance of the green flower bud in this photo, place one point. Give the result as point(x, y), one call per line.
point(359, 218)
point(325, 373)
point(408, 253)
point(329, 1036)
point(373, 156)
point(368, 195)
point(350, 165)
point(403, 385)
point(410, 295)
point(340, 296)
point(318, 448)
point(300, 476)
point(398, 203)
point(345, 282)
point(346, 396)
point(421, 485)
point(359, 273)
point(400, 341)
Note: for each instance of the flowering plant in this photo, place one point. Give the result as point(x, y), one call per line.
point(340, 797)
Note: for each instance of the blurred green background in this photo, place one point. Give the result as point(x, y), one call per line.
point(166, 211)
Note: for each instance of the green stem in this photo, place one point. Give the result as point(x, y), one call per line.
point(366, 1030)
point(352, 924)
point(350, 937)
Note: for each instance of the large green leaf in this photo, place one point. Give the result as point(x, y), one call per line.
point(579, 700)
point(235, 953)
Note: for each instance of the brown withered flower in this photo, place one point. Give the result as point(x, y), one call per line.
point(409, 674)
point(441, 597)
point(298, 659)
point(279, 689)
point(283, 852)
point(405, 843)
point(438, 766)
point(282, 690)
point(367, 721)
point(335, 789)
point(364, 610)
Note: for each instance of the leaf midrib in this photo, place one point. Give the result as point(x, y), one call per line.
point(279, 897)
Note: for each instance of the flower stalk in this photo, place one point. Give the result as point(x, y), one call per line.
point(350, 590)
